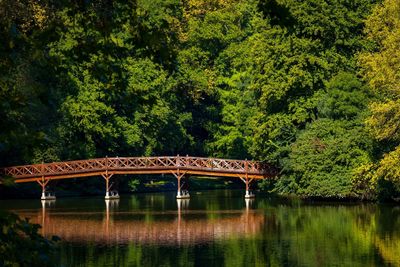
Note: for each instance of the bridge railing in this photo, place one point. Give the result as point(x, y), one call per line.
point(187, 162)
point(138, 163)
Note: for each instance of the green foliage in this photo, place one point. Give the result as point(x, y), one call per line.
point(388, 167)
point(133, 184)
point(121, 98)
point(384, 121)
point(323, 157)
point(345, 98)
point(381, 66)
point(22, 245)
point(25, 81)
point(268, 80)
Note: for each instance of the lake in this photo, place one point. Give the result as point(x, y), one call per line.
point(216, 228)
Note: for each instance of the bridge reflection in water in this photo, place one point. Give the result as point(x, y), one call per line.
point(182, 226)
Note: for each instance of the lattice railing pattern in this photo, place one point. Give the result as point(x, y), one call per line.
point(140, 163)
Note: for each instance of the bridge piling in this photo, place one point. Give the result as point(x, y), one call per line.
point(181, 194)
point(45, 195)
point(247, 181)
point(110, 194)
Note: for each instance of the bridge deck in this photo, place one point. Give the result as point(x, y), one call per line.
point(141, 165)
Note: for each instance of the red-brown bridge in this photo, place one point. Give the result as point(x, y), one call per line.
point(179, 166)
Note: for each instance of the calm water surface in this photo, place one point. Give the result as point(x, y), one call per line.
point(216, 228)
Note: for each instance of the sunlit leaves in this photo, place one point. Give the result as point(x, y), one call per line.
point(385, 120)
point(381, 67)
point(389, 166)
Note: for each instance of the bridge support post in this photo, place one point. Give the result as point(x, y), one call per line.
point(110, 194)
point(247, 181)
point(45, 195)
point(181, 193)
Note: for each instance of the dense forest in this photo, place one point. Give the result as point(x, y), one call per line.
point(310, 86)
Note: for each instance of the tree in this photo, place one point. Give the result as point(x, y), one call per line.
point(381, 66)
point(323, 159)
point(26, 94)
point(22, 245)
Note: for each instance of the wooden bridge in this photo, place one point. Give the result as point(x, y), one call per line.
point(179, 166)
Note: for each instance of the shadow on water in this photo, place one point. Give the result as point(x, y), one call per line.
point(216, 228)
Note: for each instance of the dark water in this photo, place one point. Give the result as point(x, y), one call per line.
point(216, 228)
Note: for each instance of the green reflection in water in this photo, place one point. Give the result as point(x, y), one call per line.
point(218, 228)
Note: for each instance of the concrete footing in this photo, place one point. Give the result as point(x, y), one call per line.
point(112, 195)
point(48, 196)
point(183, 194)
point(249, 194)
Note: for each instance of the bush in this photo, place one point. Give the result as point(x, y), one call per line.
point(22, 245)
